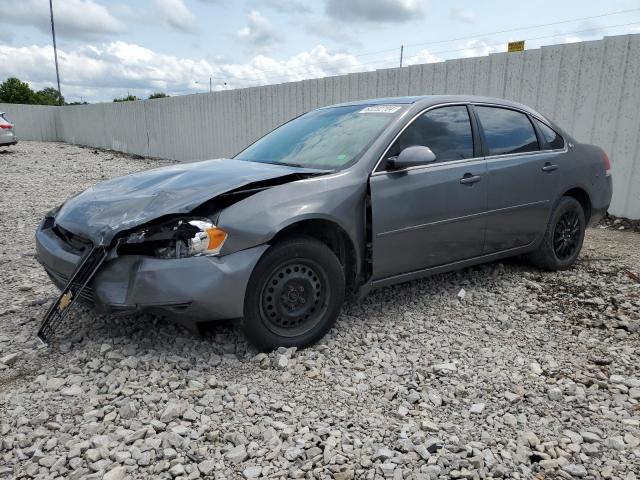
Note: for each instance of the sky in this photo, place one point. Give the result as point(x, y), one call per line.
point(111, 48)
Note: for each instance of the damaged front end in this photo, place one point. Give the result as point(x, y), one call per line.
point(136, 246)
point(171, 239)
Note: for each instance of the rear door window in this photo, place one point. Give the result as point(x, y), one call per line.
point(553, 139)
point(507, 131)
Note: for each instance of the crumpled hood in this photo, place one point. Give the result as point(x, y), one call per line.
point(109, 207)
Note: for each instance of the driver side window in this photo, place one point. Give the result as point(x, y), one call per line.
point(445, 130)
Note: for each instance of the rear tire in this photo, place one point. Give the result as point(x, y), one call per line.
point(563, 237)
point(294, 295)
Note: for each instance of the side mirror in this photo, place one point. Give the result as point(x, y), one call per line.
point(411, 157)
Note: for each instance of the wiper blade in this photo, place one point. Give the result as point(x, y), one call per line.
point(286, 164)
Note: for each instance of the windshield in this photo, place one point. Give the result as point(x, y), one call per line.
point(328, 138)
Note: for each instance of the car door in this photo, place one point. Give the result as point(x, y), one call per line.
point(522, 178)
point(432, 214)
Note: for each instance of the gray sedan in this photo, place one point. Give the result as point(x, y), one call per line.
point(338, 201)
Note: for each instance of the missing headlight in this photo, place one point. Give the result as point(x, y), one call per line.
point(175, 239)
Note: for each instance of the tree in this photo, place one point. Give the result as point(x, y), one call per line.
point(12, 90)
point(48, 96)
point(128, 98)
point(158, 95)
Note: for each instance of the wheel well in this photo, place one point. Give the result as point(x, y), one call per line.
point(334, 237)
point(583, 197)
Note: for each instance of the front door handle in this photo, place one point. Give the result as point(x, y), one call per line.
point(469, 179)
point(549, 167)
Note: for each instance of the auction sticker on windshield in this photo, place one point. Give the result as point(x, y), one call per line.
point(381, 109)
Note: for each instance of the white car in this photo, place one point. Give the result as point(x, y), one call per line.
point(7, 132)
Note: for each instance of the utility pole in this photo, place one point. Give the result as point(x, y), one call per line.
point(401, 53)
point(55, 49)
point(210, 85)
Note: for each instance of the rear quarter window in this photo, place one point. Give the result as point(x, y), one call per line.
point(554, 139)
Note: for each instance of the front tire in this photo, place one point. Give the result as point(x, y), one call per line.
point(294, 294)
point(563, 237)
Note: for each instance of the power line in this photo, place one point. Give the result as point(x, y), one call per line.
point(619, 12)
point(324, 62)
point(544, 36)
point(393, 59)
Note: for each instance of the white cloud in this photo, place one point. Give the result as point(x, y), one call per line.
point(284, 6)
point(423, 56)
point(478, 47)
point(175, 14)
point(375, 10)
point(102, 72)
point(259, 32)
point(572, 39)
point(73, 18)
point(585, 31)
point(462, 15)
point(318, 62)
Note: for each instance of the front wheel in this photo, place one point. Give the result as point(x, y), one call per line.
point(294, 294)
point(563, 237)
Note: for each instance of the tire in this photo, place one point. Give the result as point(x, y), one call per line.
point(294, 294)
point(563, 237)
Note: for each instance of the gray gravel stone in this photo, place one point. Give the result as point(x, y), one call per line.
point(387, 393)
point(575, 470)
point(117, 473)
point(237, 454)
point(10, 359)
point(252, 472)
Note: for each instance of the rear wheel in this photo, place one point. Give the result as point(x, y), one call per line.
point(294, 294)
point(563, 238)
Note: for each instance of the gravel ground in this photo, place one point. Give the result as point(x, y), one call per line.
point(527, 374)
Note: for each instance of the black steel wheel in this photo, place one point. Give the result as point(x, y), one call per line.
point(294, 294)
point(294, 298)
point(563, 237)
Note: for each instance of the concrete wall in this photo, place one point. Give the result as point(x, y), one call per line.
point(33, 122)
point(591, 89)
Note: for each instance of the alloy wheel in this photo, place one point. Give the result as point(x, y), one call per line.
point(566, 235)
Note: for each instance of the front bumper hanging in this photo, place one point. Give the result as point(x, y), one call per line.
point(80, 278)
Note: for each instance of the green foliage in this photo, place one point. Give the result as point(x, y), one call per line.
point(128, 98)
point(158, 95)
point(13, 90)
point(48, 96)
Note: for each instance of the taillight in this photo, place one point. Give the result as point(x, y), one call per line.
point(607, 164)
point(6, 126)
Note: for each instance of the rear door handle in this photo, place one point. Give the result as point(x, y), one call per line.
point(469, 179)
point(549, 167)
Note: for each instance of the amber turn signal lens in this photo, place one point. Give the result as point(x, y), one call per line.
point(216, 238)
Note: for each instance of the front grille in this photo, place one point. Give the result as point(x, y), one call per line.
point(75, 243)
point(86, 296)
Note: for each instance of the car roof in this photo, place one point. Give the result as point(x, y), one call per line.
point(423, 101)
point(433, 100)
